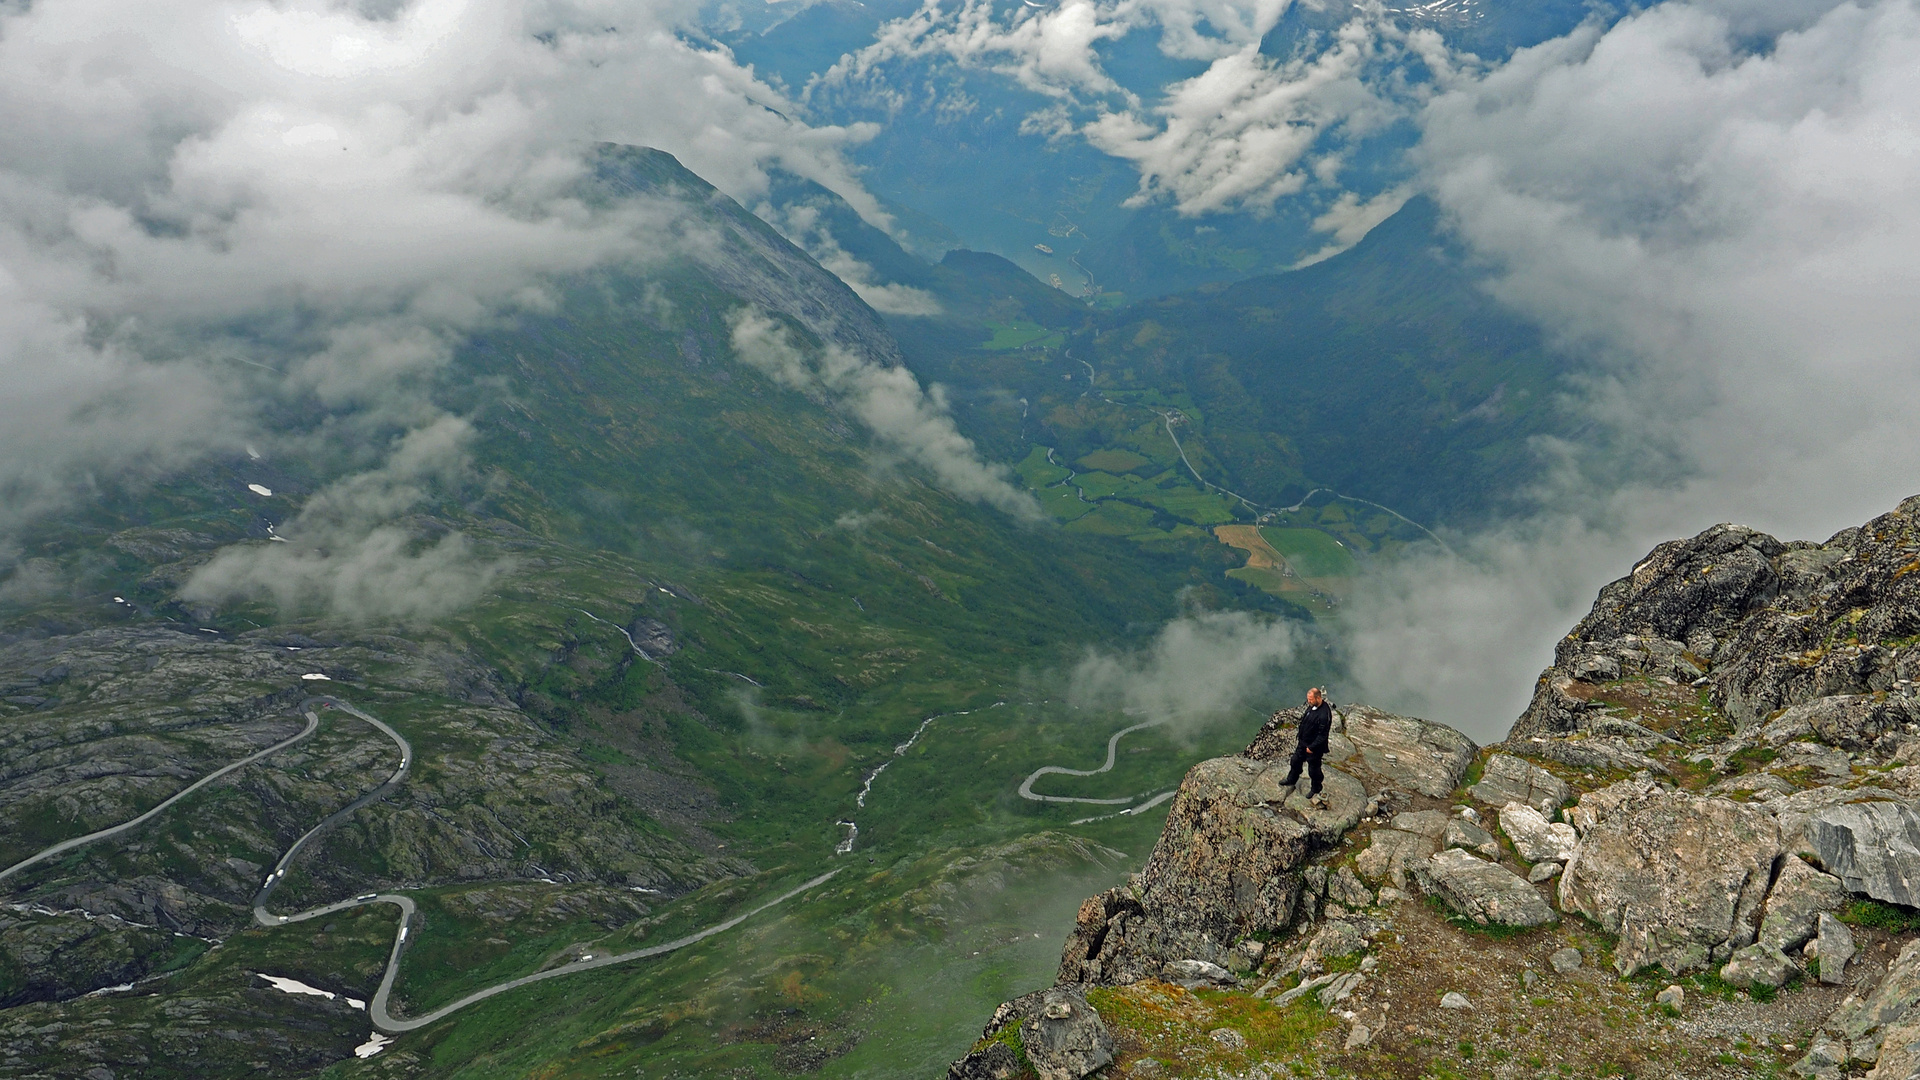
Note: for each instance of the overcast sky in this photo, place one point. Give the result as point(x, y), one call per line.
point(1715, 203)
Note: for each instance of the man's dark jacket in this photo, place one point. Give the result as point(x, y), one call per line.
point(1316, 723)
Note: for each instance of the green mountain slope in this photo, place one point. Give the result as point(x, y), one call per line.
point(805, 601)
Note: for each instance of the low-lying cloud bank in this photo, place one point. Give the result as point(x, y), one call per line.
point(1717, 207)
point(1200, 669)
point(905, 419)
point(348, 552)
point(207, 207)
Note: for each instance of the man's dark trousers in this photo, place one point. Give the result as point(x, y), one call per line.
point(1312, 760)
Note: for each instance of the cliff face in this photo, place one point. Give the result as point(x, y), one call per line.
point(1714, 779)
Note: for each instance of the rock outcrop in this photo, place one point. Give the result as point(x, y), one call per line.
point(1768, 625)
point(1227, 866)
point(1054, 1032)
point(1485, 892)
point(1510, 779)
point(1678, 877)
point(1721, 761)
point(1872, 847)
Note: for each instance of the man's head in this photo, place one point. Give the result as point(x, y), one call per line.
point(1314, 697)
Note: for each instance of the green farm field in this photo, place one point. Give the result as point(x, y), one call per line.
point(1312, 553)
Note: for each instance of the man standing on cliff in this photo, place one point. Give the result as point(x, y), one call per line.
point(1316, 723)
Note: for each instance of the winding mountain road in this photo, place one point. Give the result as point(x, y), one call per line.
point(377, 1011)
point(1113, 744)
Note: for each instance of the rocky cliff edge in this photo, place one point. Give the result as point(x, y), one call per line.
point(1697, 853)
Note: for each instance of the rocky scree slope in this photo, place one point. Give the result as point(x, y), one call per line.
point(1697, 853)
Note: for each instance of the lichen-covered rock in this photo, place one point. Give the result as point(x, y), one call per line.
point(1596, 806)
point(1403, 751)
point(1678, 877)
point(1428, 823)
point(1891, 1002)
point(1484, 892)
point(1063, 1037)
point(1345, 887)
point(1872, 847)
point(1833, 949)
point(1462, 833)
point(1757, 966)
point(1772, 626)
point(1510, 779)
point(1337, 938)
point(1849, 721)
point(1794, 905)
point(1227, 866)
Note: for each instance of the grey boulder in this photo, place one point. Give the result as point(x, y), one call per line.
point(1394, 854)
point(1890, 1004)
point(1757, 966)
point(1800, 893)
point(1462, 833)
point(1832, 949)
point(1337, 938)
point(1849, 721)
point(1344, 887)
point(1536, 838)
point(1066, 1040)
point(1678, 877)
point(1484, 892)
point(1510, 779)
point(1873, 848)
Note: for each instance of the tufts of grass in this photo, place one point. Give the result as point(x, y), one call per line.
point(1875, 915)
point(1171, 1024)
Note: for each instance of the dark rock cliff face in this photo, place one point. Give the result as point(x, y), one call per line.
point(1768, 625)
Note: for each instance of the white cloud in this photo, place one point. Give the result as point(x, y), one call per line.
point(1729, 235)
point(1230, 137)
point(345, 554)
point(209, 206)
point(1351, 218)
point(1233, 137)
point(205, 204)
point(903, 418)
point(1199, 669)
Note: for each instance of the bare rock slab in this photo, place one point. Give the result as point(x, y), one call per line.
point(1510, 779)
point(1408, 752)
point(1536, 838)
point(1462, 833)
point(1485, 892)
point(1872, 847)
point(1678, 877)
point(1393, 855)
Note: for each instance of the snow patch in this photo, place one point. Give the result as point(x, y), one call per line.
point(261, 489)
point(315, 676)
point(375, 1043)
point(295, 986)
